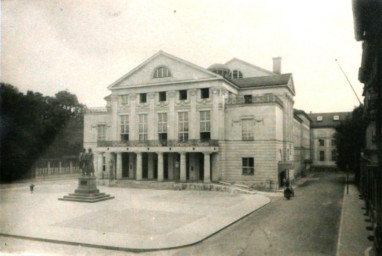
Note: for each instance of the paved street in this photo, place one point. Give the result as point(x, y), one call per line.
point(306, 225)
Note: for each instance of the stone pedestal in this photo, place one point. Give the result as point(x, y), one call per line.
point(87, 191)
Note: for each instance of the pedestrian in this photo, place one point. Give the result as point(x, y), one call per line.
point(31, 187)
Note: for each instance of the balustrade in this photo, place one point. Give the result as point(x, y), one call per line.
point(158, 143)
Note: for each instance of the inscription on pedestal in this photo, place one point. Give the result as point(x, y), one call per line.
point(83, 182)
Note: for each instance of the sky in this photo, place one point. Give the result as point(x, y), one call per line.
point(84, 45)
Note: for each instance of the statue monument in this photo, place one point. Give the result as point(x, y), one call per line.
point(87, 187)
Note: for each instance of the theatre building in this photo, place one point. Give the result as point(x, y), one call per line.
point(168, 119)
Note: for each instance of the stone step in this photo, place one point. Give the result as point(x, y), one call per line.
point(87, 195)
point(87, 200)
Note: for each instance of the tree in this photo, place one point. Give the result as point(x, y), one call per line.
point(30, 124)
point(350, 139)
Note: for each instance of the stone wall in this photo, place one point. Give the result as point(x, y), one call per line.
point(264, 154)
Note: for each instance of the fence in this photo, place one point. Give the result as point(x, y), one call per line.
point(371, 187)
point(55, 168)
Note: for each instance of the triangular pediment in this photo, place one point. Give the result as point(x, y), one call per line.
point(247, 69)
point(180, 70)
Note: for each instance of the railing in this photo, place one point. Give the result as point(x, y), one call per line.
point(371, 187)
point(159, 143)
point(233, 100)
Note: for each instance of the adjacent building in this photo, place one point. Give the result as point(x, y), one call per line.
point(323, 146)
point(368, 29)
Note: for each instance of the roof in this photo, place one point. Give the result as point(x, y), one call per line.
point(261, 81)
point(218, 66)
point(116, 83)
point(297, 118)
point(302, 112)
point(250, 64)
point(327, 119)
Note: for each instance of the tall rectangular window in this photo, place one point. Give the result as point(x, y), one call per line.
point(183, 95)
point(248, 166)
point(321, 142)
point(124, 99)
point(124, 127)
point(142, 127)
point(143, 98)
point(247, 129)
point(205, 125)
point(162, 127)
point(205, 93)
point(101, 132)
point(162, 96)
point(183, 126)
point(322, 155)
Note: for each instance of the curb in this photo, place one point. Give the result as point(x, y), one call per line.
point(341, 223)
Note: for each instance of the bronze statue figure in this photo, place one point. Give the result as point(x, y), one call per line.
point(81, 161)
point(89, 166)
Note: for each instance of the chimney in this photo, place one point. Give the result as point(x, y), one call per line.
point(277, 65)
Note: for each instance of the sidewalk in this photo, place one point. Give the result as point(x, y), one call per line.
point(353, 233)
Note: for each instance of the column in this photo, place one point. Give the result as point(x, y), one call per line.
point(194, 124)
point(215, 113)
point(151, 166)
point(183, 167)
point(160, 166)
point(207, 169)
point(139, 166)
point(214, 167)
point(108, 164)
point(171, 116)
point(115, 127)
point(151, 131)
point(119, 165)
point(131, 165)
point(99, 165)
point(133, 133)
point(170, 166)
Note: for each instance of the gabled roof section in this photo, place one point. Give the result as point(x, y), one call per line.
point(162, 53)
point(251, 65)
point(265, 81)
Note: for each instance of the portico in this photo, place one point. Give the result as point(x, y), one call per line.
point(156, 163)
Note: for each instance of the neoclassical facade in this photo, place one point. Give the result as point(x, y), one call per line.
point(168, 119)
